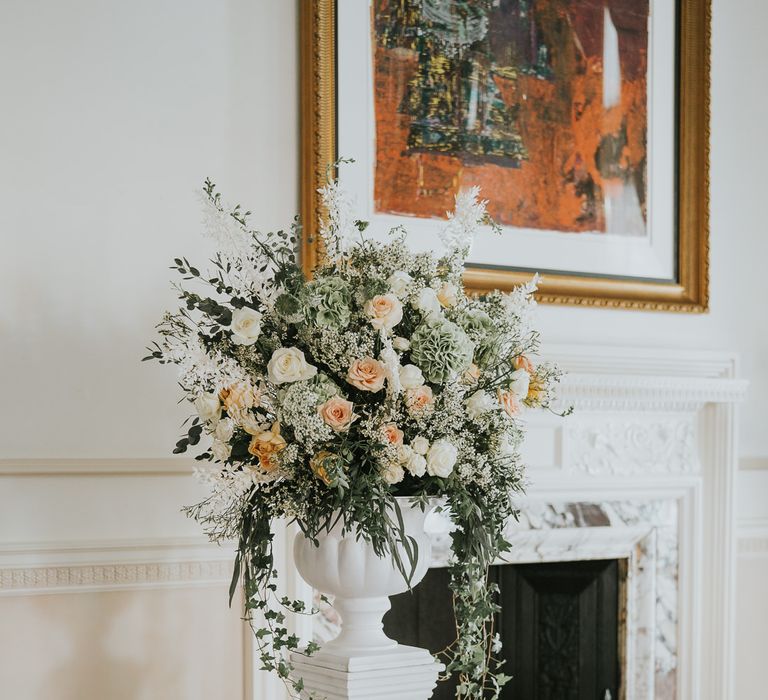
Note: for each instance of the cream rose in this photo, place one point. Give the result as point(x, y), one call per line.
point(508, 402)
point(448, 295)
point(392, 434)
point(289, 365)
point(225, 428)
point(337, 413)
point(393, 473)
point(420, 445)
point(411, 377)
point(441, 458)
point(221, 450)
point(479, 403)
point(416, 464)
point(399, 282)
point(427, 302)
point(384, 310)
point(520, 381)
point(208, 407)
point(419, 399)
point(401, 344)
point(245, 326)
point(367, 374)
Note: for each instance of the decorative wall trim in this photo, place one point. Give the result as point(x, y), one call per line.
point(752, 538)
point(111, 577)
point(164, 466)
point(64, 567)
point(626, 446)
point(607, 393)
point(642, 361)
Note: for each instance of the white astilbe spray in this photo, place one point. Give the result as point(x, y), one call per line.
point(520, 305)
point(391, 363)
point(251, 271)
point(231, 239)
point(464, 221)
point(339, 230)
point(200, 370)
point(228, 488)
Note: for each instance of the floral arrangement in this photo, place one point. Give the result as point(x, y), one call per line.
point(326, 397)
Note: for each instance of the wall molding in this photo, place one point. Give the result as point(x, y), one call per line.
point(79, 567)
point(112, 577)
point(752, 538)
point(91, 466)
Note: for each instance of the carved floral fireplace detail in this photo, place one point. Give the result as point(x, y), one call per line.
point(643, 471)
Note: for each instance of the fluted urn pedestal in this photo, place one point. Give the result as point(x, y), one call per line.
point(362, 662)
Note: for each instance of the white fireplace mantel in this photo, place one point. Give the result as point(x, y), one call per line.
point(652, 446)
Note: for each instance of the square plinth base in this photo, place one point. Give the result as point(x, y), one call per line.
point(406, 673)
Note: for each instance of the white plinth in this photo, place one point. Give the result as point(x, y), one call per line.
point(402, 673)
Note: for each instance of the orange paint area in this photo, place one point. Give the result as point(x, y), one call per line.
point(519, 111)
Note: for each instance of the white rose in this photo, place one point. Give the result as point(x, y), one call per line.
point(519, 383)
point(401, 344)
point(416, 465)
point(289, 365)
point(384, 310)
point(441, 458)
point(393, 473)
point(208, 406)
point(427, 302)
point(221, 450)
point(411, 377)
point(245, 326)
point(420, 445)
point(224, 430)
point(480, 402)
point(399, 282)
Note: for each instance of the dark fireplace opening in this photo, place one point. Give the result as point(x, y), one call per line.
point(560, 626)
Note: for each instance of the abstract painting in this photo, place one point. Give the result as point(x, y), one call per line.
point(585, 124)
point(543, 103)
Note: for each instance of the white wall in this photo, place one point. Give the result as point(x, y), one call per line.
point(114, 112)
point(112, 115)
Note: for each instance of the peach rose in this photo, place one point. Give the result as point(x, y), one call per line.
point(367, 374)
point(522, 362)
point(448, 295)
point(536, 391)
point(266, 445)
point(509, 402)
point(239, 397)
point(392, 434)
point(337, 413)
point(384, 310)
point(317, 465)
point(419, 398)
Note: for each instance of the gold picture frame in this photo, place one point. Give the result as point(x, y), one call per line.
point(689, 293)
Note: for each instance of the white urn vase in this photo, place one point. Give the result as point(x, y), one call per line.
point(359, 662)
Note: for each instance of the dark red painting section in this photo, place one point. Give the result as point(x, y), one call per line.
point(542, 103)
